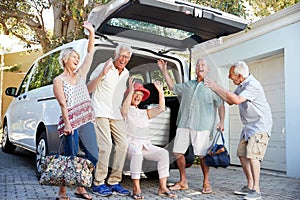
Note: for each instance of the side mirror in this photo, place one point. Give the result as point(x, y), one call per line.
point(11, 91)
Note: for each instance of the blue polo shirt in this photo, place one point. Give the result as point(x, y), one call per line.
point(255, 112)
point(198, 106)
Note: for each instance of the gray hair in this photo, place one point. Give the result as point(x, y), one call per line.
point(65, 55)
point(241, 68)
point(123, 47)
point(200, 59)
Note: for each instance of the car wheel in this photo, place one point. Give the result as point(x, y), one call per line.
point(7, 146)
point(41, 152)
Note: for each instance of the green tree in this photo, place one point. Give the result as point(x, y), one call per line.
point(236, 7)
point(25, 20)
point(261, 8)
point(267, 7)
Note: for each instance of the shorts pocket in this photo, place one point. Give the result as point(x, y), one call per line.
point(260, 144)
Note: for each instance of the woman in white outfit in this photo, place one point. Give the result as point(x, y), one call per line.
point(139, 145)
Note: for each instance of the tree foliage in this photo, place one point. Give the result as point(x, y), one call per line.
point(25, 20)
point(267, 7)
point(236, 7)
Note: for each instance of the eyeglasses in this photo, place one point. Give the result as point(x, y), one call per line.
point(139, 93)
point(124, 56)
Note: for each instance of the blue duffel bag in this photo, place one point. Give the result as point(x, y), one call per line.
point(217, 154)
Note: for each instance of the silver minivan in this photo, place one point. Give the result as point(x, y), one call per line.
point(155, 29)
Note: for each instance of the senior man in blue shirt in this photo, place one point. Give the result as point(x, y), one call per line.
point(256, 117)
point(195, 120)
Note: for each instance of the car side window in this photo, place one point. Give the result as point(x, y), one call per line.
point(22, 88)
point(45, 71)
point(157, 75)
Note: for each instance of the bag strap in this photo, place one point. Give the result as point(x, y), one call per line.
point(216, 138)
point(63, 138)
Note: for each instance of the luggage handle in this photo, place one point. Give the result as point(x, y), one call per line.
point(215, 140)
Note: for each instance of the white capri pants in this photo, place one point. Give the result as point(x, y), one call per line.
point(151, 152)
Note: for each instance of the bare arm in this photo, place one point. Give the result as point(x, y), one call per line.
point(221, 112)
point(60, 96)
point(92, 85)
point(163, 67)
point(161, 105)
point(85, 67)
point(127, 102)
point(226, 95)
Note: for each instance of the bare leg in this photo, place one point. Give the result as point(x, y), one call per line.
point(206, 184)
point(163, 189)
point(136, 186)
point(255, 169)
point(247, 170)
point(163, 185)
point(183, 183)
point(137, 193)
point(62, 193)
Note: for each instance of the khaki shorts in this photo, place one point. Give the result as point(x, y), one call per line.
point(185, 137)
point(255, 147)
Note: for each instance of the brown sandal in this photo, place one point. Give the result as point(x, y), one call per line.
point(206, 189)
point(84, 195)
point(178, 186)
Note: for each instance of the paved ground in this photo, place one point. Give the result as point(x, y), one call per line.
point(18, 181)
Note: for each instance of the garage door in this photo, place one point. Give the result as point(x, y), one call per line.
point(270, 72)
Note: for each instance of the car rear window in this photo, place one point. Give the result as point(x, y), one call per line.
point(149, 28)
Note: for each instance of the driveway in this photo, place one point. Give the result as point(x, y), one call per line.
point(18, 182)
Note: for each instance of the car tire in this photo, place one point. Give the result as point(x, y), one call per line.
point(7, 146)
point(41, 152)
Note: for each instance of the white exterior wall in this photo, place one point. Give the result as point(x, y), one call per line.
point(271, 36)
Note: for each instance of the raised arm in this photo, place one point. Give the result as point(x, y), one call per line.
point(92, 84)
point(226, 95)
point(85, 67)
point(161, 105)
point(127, 102)
point(163, 67)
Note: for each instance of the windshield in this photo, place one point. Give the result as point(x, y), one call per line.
point(149, 28)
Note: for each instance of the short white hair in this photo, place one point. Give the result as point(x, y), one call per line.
point(65, 55)
point(241, 68)
point(123, 47)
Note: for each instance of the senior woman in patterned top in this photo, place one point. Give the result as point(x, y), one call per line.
point(73, 97)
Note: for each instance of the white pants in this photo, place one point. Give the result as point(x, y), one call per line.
point(154, 153)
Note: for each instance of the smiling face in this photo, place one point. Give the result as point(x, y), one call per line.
point(236, 78)
point(121, 59)
point(71, 61)
point(137, 98)
point(201, 69)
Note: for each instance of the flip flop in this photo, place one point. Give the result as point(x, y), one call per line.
point(84, 195)
point(137, 196)
point(170, 194)
point(177, 186)
point(206, 189)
